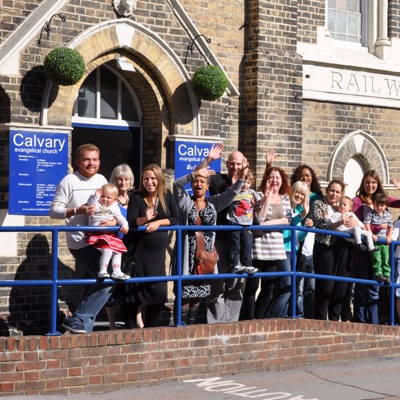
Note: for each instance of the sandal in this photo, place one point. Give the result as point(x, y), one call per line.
point(122, 277)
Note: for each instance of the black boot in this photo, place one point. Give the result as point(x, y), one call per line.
point(192, 315)
point(185, 316)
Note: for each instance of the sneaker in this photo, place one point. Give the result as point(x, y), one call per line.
point(380, 279)
point(103, 275)
point(239, 269)
point(72, 326)
point(361, 246)
point(387, 279)
point(120, 277)
point(251, 270)
point(374, 250)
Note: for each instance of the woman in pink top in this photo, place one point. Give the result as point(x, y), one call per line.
point(366, 297)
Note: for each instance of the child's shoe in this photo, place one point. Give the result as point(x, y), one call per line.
point(380, 279)
point(387, 279)
point(103, 275)
point(239, 269)
point(119, 277)
point(374, 250)
point(251, 270)
point(361, 247)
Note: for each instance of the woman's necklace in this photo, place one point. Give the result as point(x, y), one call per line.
point(151, 202)
point(123, 200)
point(275, 198)
point(200, 203)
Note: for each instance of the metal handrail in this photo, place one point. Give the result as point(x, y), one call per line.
point(54, 282)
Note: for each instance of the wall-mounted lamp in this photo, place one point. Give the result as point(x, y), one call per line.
point(46, 26)
point(124, 65)
point(192, 43)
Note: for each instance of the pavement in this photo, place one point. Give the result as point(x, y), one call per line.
point(371, 379)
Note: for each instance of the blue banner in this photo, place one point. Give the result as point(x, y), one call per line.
point(38, 162)
point(189, 154)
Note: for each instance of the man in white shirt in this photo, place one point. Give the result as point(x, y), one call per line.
point(69, 203)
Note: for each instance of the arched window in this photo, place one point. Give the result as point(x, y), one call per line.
point(106, 95)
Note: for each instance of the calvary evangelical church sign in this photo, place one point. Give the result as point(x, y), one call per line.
point(38, 162)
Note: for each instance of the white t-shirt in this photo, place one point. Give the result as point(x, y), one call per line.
point(72, 192)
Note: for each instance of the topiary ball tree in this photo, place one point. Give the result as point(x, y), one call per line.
point(209, 82)
point(64, 66)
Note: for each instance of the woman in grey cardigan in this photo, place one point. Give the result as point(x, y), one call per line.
point(191, 207)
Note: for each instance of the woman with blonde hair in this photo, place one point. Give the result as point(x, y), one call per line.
point(152, 206)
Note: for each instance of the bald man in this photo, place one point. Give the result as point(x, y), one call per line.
point(226, 296)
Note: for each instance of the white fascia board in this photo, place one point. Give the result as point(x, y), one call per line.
point(30, 28)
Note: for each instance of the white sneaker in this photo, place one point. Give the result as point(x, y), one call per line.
point(251, 270)
point(239, 269)
point(103, 275)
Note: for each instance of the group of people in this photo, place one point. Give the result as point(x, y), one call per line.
point(86, 198)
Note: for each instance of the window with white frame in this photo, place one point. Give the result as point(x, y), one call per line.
point(104, 95)
point(347, 20)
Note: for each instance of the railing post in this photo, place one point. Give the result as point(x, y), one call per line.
point(54, 286)
point(392, 288)
point(293, 268)
point(178, 298)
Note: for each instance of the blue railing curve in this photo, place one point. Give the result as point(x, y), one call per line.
point(54, 282)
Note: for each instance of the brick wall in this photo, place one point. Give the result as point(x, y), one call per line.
point(113, 360)
point(324, 124)
point(12, 13)
point(272, 103)
point(311, 15)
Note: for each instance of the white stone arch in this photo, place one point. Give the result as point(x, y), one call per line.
point(361, 145)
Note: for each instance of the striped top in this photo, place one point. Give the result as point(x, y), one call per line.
point(270, 246)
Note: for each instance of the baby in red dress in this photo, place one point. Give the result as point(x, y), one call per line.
point(109, 244)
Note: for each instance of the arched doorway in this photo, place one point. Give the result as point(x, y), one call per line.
point(107, 113)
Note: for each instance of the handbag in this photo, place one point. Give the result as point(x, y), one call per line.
point(130, 262)
point(257, 234)
point(129, 265)
point(205, 260)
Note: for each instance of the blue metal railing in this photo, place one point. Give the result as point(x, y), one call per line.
point(54, 282)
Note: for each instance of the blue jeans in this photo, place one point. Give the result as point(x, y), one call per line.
point(305, 301)
point(366, 297)
point(240, 247)
point(97, 295)
point(280, 302)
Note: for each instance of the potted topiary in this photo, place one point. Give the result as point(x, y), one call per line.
point(209, 82)
point(64, 66)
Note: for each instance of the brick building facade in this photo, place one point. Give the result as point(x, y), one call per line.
point(293, 85)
